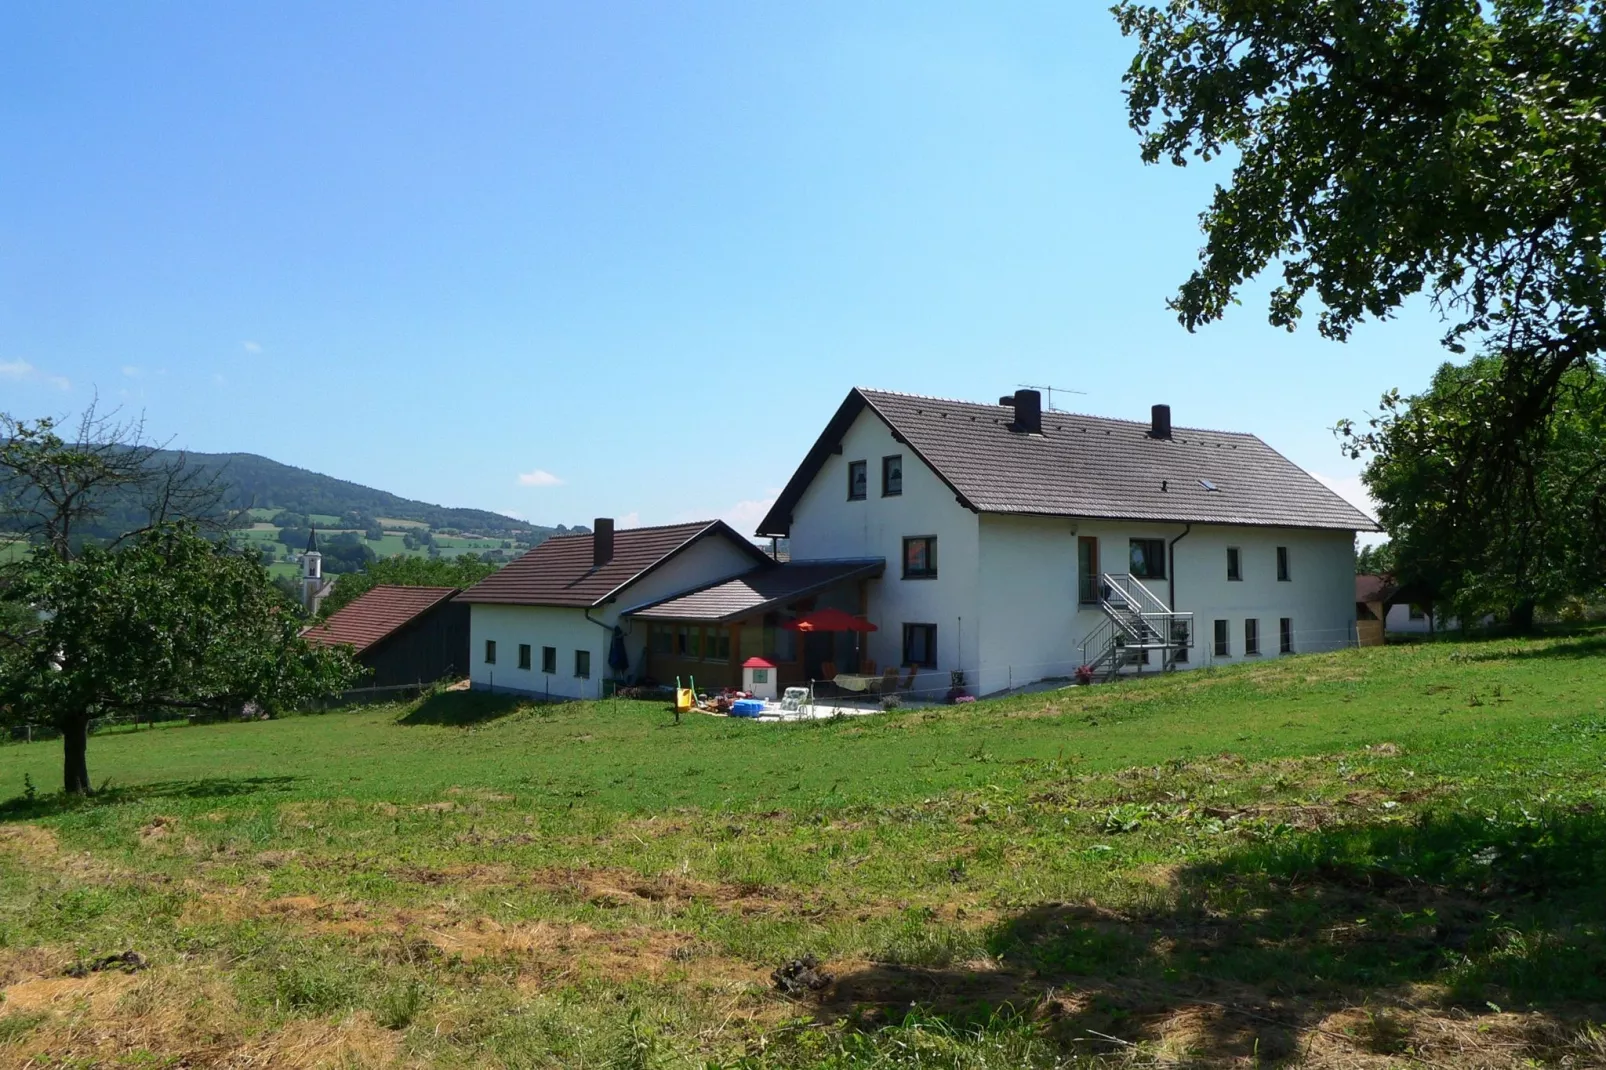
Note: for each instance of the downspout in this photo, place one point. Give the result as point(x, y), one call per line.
point(1171, 567)
point(607, 646)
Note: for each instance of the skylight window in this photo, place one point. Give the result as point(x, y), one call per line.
point(1207, 485)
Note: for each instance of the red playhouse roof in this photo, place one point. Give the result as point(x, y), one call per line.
point(830, 620)
point(757, 663)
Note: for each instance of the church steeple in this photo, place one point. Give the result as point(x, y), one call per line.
point(311, 574)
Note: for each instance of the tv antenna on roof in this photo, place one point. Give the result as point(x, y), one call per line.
point(1048, 393)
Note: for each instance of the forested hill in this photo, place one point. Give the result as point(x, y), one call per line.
point(254, 481)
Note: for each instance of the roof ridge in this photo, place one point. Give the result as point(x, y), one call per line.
point(869, 390)
point(626, 531)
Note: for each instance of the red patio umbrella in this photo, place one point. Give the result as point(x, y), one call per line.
point(829, 620)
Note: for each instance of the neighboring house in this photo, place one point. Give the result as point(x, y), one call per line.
point(405, 635)
point(544, 625)
point(1398, 609)
point(705, 635)
point(1028, 543)
point(1374, 594)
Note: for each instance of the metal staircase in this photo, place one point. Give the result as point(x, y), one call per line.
point(1136, 622)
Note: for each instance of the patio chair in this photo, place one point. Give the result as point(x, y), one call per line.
point(867, 666)
point(909, 681)
point(889, 680)
point(828, 670)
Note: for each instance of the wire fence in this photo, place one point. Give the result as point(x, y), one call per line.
point(937, 684)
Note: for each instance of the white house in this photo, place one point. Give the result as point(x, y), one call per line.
point(545, 624)
point(1024, 544)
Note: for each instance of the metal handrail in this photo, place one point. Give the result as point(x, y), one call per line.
point(1134, 619)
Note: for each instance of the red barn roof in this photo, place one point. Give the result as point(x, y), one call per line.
point(376, 614)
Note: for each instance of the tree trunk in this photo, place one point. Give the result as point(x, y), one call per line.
point(1522, 616)
point(75, 747)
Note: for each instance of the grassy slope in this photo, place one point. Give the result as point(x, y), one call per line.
point(1297, 856)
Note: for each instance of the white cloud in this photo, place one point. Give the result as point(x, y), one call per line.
point(1351, 489)
point(217, 379)
point(744, 515)
point(629, 520)
point(538, 477)
point(251, 347)
point(23, 372)
point(133, 371)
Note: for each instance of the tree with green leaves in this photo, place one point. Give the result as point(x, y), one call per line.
point(465, 571)
point(105, 481)
point(1388, 148)
point(169, 621)
point(1539, 543)
point(1375, 560)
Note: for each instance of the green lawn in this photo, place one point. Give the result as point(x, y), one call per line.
point(1373, 858)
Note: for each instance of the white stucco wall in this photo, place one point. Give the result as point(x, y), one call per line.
point(567, 628)
point(1318, 597)
point(1032, 627)
point(1399, 620)
point(825, 524)
point(554, 626)
point(1005, 598)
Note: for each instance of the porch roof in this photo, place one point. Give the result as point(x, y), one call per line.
point(758, 591)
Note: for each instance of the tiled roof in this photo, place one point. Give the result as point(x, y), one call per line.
point(759, 590)
point(1087, 466)
point(1371, 587)
point(375, 614)
point(559, 572)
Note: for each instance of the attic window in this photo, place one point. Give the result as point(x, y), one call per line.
point(1207, 485)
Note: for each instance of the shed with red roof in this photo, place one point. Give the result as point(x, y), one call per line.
point(405, 635)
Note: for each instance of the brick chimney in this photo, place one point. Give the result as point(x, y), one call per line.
point(1028, 406)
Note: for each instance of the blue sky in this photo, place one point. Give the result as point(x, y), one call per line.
point(593, 259)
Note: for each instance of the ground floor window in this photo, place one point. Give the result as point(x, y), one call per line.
point(716, 643)
point(582, 664)
point(1251, 636)
point(524, 655)
point(490, 651)
point(1223, 643)
point(549, 659)
point(920, 645)
point(1285, 635)
point(688, 641)
point(663, 639)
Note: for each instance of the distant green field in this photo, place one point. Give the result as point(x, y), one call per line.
point(323, 520)
point(389, 546)
point(465, 542)
point(392, 522)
